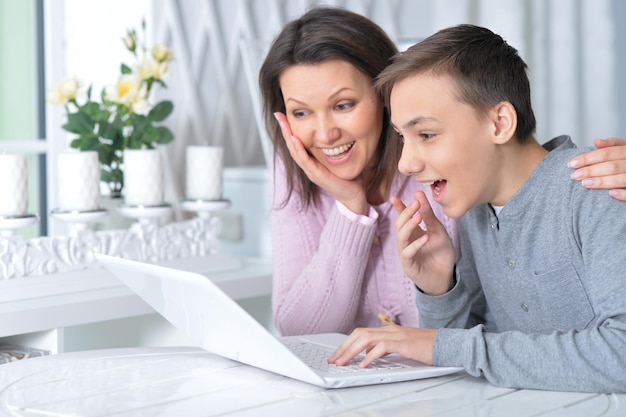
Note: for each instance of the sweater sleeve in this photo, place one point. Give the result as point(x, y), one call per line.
point(319, 264)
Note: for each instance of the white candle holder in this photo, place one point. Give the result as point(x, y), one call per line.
point(210, 226)
point(78, 220)
point(204, 208)
point(8, 224)
point(145, 214)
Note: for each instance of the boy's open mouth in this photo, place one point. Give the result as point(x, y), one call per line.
point(436, 186)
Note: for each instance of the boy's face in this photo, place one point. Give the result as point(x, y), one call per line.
point(446, 143)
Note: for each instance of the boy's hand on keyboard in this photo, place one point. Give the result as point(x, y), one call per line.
point(410, 342)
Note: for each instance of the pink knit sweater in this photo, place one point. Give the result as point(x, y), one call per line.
point(334, 270)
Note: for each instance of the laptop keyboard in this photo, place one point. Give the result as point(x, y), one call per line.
point(315, 356)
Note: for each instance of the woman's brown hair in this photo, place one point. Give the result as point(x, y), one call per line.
point(322, 34)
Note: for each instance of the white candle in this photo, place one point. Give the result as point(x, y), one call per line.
point(204, 172)
point(78, 182)
point(143, 177)
point(13, 185)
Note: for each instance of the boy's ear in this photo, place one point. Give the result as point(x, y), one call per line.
point(504, 118)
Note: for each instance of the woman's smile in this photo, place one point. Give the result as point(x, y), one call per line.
point(333, 109)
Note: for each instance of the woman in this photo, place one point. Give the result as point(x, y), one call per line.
point(337, 265)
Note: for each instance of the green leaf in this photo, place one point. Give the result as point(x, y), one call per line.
point(125, 69)
point(79, 123)
point(76, 143)
point(89, 142)
point(109, 131)
point(118, 141)
point(164, 135)
point(105, 155)
point(91, 109)
point(161, 111)
point(105, 176)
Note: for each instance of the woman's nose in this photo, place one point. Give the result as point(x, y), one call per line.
point(326, 130)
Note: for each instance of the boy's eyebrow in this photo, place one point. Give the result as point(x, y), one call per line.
point(414, 121)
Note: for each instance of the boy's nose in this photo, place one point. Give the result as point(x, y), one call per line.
point(410, 162)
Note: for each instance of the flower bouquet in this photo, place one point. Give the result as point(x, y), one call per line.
point(124, 117)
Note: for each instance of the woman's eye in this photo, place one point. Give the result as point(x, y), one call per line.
point(345, 105)
point(299, 113)
point(427, 136)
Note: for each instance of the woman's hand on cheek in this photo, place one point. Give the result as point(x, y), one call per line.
point(603, 168)
point(349, 193)
point(409, 342)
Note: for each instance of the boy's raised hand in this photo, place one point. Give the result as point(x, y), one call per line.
point(427, 256)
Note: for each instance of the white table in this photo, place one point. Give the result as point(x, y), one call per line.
point(187, 382)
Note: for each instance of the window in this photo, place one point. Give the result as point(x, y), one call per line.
point(21, 98)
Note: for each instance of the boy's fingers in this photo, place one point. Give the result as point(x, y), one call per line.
point(397, 204)
point(428, 216)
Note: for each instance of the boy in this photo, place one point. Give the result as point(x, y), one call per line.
point(537, 297)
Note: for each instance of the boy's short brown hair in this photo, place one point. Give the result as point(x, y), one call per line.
point(485, 68)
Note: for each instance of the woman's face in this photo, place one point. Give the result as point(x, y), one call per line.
point(333, 109)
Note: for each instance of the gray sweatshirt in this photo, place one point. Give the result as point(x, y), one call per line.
point(540, 298)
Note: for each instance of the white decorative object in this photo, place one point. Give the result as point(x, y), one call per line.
point(78, 220)
point(204, 207)
point(78, 186)
point(143, 177)
point(204, 172)
point(212, 226)
point(13, 185)
point(144, 242)
point(8, 224)
point(145, 214)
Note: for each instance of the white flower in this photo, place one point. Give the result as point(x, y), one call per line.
point(66, 90)
point(149, 68)
point(129, 91)
point(161, 53)
point(131, 40)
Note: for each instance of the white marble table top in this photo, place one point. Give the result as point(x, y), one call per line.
point(188, 382)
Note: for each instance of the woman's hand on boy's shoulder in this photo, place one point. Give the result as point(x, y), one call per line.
point(603, 168)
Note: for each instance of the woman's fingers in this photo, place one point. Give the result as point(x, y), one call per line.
point(605, 165)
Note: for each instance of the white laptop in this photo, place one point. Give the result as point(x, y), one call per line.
point(216, 323)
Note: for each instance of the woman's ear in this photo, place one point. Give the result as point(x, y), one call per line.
point(504, 118)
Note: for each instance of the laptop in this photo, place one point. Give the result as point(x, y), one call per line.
point(216, 323)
